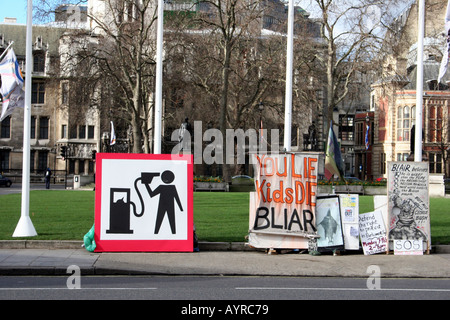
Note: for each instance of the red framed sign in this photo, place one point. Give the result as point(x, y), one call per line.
point(144, 202)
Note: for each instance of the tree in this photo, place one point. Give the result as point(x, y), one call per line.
point(115, 59)
point(353, 32)
point(230, 66)
point(125, 53)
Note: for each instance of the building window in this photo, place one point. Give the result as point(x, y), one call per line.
point(43, 127)
point(64, 131)
point(73, 131)
point(38, 92)
point(82, 132)
point(360, 134)
point(405, 121)
point(42, 160)
point(39, 62)
point(5, 130)
point(65, 93)
point(383, 163)
point(91, 132)
point(435, 124)
point(435, 162)
point(4, 160)
point(32, 155)
point(402, 156)
point(346, 127)
point(33, 127)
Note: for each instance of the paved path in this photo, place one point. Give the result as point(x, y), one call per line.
point(213, 262)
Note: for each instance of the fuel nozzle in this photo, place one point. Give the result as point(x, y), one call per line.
point(147, 177)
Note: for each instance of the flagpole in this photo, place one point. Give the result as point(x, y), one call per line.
point(419, 84)
point(25, 227)
point(158, 92)
point(289, 63)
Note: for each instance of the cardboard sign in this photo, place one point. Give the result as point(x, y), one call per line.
point(144, 202)
point(329, 224)
point(349, 215)
point(372, 232)
point(408, 201)
point(283, 206)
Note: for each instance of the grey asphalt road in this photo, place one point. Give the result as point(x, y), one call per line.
point(217, 288)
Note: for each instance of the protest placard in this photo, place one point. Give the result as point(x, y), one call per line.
point(408, 201)
point(372, 232)
point(349, 215)
point(282, 209)
point(329, 224)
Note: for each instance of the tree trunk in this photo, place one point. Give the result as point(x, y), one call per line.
point(137, 133)
point(330, 85)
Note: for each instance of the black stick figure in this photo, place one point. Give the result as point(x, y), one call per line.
point(167, 196)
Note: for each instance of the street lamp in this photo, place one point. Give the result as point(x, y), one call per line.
point(366, 144)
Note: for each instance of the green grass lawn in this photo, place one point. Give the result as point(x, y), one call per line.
point(68, 215)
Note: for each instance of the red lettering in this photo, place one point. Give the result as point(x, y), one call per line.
point(260, 163)
point(278, 194)
point(269, 199)
point(265, 166)
point(259, 190)
point(305, 167)
point(284, 174)
point(311, 168)
point(299, 184)
point(294, 175)
point(289, 195)
point(310, 193)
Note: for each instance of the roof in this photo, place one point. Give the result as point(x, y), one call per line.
point(430, 72)
point(17, 33)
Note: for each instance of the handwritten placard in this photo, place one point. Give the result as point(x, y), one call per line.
point(372, 232)
point(408, 201)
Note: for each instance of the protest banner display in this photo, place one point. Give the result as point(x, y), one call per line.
point(372, 232)
point(329, 224)
point(282, 209)
point(349, 204)
point(408, 202)
point(143, 202)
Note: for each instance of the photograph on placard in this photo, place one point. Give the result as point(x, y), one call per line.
point(329, 224)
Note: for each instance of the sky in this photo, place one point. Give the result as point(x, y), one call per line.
point(17, 9)
point(13, 9)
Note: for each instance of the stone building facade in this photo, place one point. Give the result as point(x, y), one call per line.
point(393, 96)
point(51, 126)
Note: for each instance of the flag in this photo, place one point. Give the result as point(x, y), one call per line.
point(367, 138)
point(333, 158)
point(12, 84)
point(113, 135)
point(446, 53)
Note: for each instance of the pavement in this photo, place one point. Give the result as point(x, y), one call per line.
point(33, 257)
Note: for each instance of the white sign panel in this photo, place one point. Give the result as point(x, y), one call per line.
point(408, 201)
point(372, 232)
point(408, 247)
point(349, 216)
point(143, 203)
point(283, 206)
